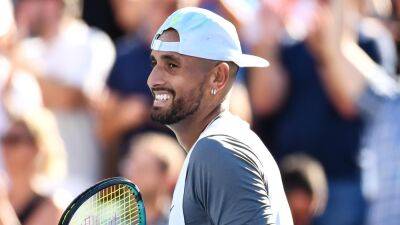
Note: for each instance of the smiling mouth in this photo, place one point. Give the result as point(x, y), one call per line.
point(161, 98)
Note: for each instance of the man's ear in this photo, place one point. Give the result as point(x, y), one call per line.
point(220, 77)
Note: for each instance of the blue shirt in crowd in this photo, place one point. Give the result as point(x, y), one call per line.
point(380, 107)
point(308, 121)
point(131, 69)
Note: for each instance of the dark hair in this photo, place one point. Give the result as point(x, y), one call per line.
point(295, 180)
point(300, 171)
point(233, 69)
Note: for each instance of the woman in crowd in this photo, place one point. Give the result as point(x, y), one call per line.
point(33, 157)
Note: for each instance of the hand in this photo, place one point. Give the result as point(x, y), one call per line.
point(324, 36)
point(132, 112)
point(332, 29)
point(116, 115)
point(267, 28)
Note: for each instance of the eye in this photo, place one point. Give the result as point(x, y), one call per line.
point(153, 63)
point(172, 65)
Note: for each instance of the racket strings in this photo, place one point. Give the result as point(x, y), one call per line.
point(111, 206)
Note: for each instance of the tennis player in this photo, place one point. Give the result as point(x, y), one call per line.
point(228, 177)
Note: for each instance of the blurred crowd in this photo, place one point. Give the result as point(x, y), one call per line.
point(74, 103)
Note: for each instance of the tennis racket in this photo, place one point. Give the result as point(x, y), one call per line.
point(110, 202)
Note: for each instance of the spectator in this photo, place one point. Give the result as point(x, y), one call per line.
point(369, 91)
point(297, 112)
point(33, 154)
point(128, 14)
point(305, 186)
point(70, 61)
point(19, 91)
point(124, 110)
point(6, 26)
point(153, 163)
point(98, 13)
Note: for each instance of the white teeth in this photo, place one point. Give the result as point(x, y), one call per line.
point(162, 97)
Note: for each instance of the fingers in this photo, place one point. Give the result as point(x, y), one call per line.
point(267, 27)
point(325, 36)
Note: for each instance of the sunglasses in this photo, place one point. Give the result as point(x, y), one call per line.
point(14, 139)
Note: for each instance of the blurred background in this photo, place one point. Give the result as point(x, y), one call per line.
point(74, 104)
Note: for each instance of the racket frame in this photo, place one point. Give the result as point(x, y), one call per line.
point(78, 201)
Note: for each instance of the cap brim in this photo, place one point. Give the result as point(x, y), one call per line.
point(251, 61)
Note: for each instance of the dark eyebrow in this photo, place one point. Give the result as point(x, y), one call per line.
point(170, 58)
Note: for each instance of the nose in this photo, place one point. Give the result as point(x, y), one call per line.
point(155, 78)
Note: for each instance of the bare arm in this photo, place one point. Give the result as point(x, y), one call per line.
point(353, 70)
point(268, 86)
point(56, 95)
point(231, 14)
point(8, 215)
point(346, 69)
point(344, 80)
point(334, 45)
point(61, 96)
point(7, 212)
point(115, 116)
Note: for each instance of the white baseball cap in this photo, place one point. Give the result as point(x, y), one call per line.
point(206, 35)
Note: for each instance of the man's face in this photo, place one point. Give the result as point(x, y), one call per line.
point(177, 82)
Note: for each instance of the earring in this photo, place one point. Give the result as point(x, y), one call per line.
point(213, 91)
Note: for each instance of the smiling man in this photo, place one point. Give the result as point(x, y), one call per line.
point(228, 177)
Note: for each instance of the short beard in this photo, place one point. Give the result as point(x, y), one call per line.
point(181, 108)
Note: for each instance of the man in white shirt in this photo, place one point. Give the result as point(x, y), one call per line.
point(71, 62)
